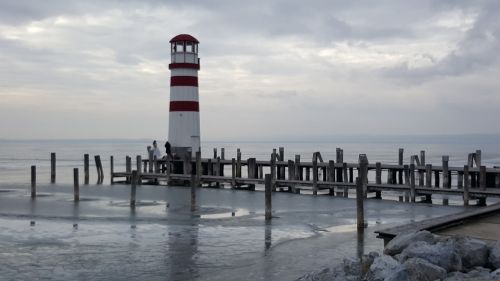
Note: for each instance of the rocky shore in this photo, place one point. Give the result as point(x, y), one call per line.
point(420, 256)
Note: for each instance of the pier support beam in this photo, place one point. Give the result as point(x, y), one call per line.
point(33, 182)
point(76, 185)
point(268, 198)
point(53, 167)
point(86, 169)
point(360, 212)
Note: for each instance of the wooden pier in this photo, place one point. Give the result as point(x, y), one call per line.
point(414, 182)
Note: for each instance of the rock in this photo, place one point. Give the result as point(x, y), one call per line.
point(473, 252)
point(442, 254)
point(496, 273)
point(494, 255)
point(422, 270)
point(477, 274)
point(385, 268)
point(400, 242)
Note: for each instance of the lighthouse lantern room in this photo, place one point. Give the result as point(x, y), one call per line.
point(184, 113)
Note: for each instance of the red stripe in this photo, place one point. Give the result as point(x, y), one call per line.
point(184, 81)
point(184, 65)
point(184, 106)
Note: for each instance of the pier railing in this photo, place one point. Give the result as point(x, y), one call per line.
point(415, 181)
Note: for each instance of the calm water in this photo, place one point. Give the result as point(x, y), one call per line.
point(172, 236)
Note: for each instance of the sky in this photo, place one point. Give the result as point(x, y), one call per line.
point(269, 69)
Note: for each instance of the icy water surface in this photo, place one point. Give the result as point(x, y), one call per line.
point(222, 236)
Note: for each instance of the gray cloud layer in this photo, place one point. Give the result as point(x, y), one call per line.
point(99, 68)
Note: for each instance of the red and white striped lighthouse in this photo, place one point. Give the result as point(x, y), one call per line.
point(184, 122)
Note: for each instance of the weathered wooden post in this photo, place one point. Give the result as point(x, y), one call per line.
point(407, 181)
point(268, 198)
point(460, 180)
point(150, 159)
point(128, 167)
point(412, 183)
point(315, 173)
point(215, 153)
point(251, 171)
point(282, 158)
point(233, 173)
point(497, 180)
point(340, 159)
point(360, 212)
point(238, 163)
point(100, 172)
point(346, 188)
point(363, 171)
point(482, 182)
point(400, 163)
point(86, 169)
point(138, 163)
point(428, 175)
point(378, 178)
point(298, 175)
point(111, 170)
point(33, 182)
point(53, 167)
point(436, 178)
point(222, 154)
point(351, 174)
point(466, 185)
point(421, 172)
point(446, 179)
point(331, 176)
point(133, 188)
point(308, 173)
point(478, 158)
point(273, 171)
point(76, 185)
point(261, 171)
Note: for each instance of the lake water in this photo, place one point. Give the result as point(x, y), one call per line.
point(170, 237)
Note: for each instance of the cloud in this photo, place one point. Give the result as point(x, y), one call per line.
point(312, 67)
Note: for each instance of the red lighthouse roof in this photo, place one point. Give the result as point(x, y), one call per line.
point(184, 37)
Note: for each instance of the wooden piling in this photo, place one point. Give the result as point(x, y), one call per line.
point(497, 180)
point(53, 167)
point(340, 159)
point(100, 172)
point(407, 181)
point(86, 169)
point(400, 163)
point(466, 185)
point(428, 175)
point(222, 154)
point(360, 213)
point(282, 158)
point(482, 182)
point(218, 172)
point(233, 173)
point(33, 182)
point(346, 188)
point(412, 183)
point(298, 174)
point(331, 176)
point(308, 173)
point(315, 174)
point(478, 158)
point(238, 163)
point(268, 198)
point(378, 179)
point(138, 163)
point(436, 179)
point(273, 171)
point(111, 170)
point(252, 171)
point(76, 185)
point(446, 179)
point(363, 173)
point(128, 167)
point(150, 159)
point(351, 174)
point(133, 188)
point(215, 153)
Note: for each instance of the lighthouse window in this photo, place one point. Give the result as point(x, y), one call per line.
point(179, 47)
point(189, 47)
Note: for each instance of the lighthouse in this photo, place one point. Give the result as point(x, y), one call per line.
point(184, 113)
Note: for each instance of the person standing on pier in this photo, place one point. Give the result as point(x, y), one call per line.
point(168, 150)
point(156, 150)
